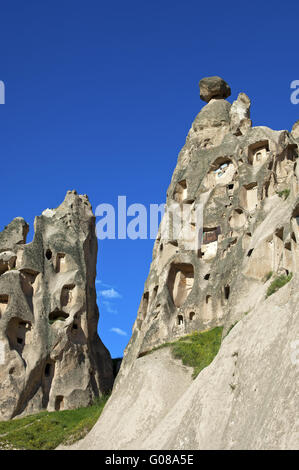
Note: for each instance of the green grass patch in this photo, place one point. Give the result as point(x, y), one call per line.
point(196, 350)
point(284, 193)
point(45, 431)
point(279, 282)
point(268, 276)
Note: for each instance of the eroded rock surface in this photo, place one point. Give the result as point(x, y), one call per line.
point(53, 358)
point(247, 398)
point(155, 385)
point(245, 180)
point(213, 87)
point(240, 176)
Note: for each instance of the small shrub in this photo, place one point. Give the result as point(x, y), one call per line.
point(279, 282)
point(284, 193)
point(268, 276)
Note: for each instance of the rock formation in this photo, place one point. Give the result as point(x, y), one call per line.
point(52, 358)
point(244, 180)
point(235, 172)
point(213, 87)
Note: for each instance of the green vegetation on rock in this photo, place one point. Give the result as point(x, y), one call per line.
point(45, 431)
point(284, 193)
point(196, 350)
point(279, 282)
point(268, 276)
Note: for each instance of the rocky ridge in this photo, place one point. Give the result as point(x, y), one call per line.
point(246, 181)
point(52, 356)
point(236, 172)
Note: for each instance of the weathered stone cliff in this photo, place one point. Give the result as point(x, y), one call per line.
point(245, 179)
point(235, 172)
point(52, 357)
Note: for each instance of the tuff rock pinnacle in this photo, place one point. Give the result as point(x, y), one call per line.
point(245, 182)
point(53, 357)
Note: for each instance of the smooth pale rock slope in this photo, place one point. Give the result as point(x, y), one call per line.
point(246, 180)
point(246, 399)
point(52, 357)
point(155, 385)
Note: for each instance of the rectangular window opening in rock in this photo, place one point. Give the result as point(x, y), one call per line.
point(48, 370)
point(180, 282)
point(191, 315)
point(258, 152)
point(60, 262)
point(145, 304)
point(226, 292)
point(59, 403)
point(180, 192)
point(210, 234)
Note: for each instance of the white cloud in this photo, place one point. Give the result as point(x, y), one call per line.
point(110, 293)
point(103, 284)
point(109, 307)
point(118, 331)
point(106, 296)
point(107, 291)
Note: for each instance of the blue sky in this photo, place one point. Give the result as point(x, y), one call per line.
point(100, 97)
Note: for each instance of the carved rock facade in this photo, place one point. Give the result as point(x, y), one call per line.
point(52, 357)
